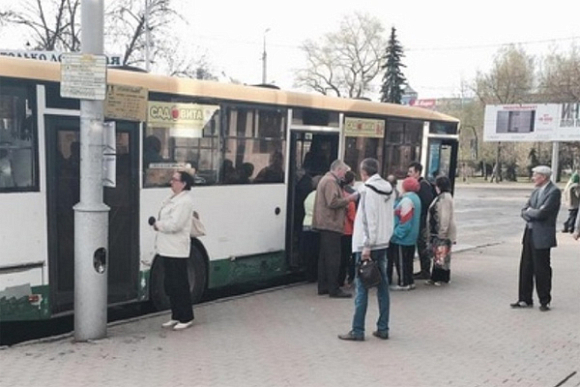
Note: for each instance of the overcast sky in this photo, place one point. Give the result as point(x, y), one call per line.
point(445, 41)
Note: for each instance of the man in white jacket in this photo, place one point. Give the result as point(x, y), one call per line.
point(373, 228)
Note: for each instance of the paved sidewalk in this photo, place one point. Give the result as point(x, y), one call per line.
point(463, 334)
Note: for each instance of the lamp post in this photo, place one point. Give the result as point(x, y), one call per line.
point(147, 38)
point(264, 57)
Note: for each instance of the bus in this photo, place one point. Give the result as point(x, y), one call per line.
point(253, 151)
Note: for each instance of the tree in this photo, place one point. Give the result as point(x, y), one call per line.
point(560, 77)
point(510, 80)
point(55, 25)
point(393, 80)
point(345, 62)
point(560, 82)
point(126, 20)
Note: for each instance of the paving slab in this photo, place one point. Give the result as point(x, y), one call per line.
point(462, 334)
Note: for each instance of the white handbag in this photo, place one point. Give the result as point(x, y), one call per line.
point(197, 227)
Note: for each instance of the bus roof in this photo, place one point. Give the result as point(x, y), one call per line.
point(50, 71)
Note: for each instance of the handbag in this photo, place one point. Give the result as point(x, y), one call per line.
point(369, 273)
point(197, 227)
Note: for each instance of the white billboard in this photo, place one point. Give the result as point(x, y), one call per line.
point(532, 122)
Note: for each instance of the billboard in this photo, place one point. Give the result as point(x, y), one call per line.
point(532, 122)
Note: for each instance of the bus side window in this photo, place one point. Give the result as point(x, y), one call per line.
point(17, 140)
point(254, 144)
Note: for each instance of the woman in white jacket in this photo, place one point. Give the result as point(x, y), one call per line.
point(173, 243)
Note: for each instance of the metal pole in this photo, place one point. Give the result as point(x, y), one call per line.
point(91, 214)
point(555, 160)
point(264, 59)
point(147, 38)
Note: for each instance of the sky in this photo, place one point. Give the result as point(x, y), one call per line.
point(446, 42)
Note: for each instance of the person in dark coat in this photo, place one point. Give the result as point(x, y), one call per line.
point(426, 194)
point(540, 213)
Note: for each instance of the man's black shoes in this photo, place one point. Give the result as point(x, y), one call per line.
point(521, 305)
point(544, 308)
point(381, 335)
point(340, 294)
point(421, 275)
point(350, 336)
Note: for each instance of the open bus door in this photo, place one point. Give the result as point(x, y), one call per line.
point(442, 159)
point(63, 185)
point(311, 153)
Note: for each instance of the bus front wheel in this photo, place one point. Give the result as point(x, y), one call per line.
point(196, 273)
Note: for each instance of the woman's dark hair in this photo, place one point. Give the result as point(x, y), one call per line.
point(187, 179)
point(348, 177)
point(443, 183)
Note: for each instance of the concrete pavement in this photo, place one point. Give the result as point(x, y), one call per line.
point(463, 334)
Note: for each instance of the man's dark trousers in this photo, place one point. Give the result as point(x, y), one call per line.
point(423, 251)
point(329, 262)
point(535, 263)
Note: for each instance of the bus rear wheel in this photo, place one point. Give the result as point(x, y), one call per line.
point(196, 272)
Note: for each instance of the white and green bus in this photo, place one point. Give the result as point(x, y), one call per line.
point(251, 149)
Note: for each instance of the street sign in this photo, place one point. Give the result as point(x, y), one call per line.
point(84, 76)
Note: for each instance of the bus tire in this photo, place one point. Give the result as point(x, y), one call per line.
point(196, 273)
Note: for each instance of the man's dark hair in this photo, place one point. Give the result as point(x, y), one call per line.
point(443, 183)
point(187, 179)
point(416, 166)
point(370, 166)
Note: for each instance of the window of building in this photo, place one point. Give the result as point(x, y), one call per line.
point(254, 146)
point(18, 138)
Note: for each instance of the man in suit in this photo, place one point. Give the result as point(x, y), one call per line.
point(540, 213)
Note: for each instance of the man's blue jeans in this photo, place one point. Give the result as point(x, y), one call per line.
point(362, 295)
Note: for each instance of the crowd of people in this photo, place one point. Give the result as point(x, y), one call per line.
point(422, 221)
point(345, 225)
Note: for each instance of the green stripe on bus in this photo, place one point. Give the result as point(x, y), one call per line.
point(34, 306)
point(246, 269)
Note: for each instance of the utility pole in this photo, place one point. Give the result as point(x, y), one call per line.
point(264, 59)
point(555, 160)
point(91, 214)
point(147, 38)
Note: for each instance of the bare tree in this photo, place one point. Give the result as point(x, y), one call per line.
point(54, 24)
point(345, 62)
point(126, 23)
point(560, 77)
point(510, 80)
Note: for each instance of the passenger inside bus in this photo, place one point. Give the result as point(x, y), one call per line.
point(317, 159)
point(6, 177)
point(245, 173)
point(273, 173)
point(151, 151)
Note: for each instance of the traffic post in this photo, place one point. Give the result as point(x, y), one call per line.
point(83, 76)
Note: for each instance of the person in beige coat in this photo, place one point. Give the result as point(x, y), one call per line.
point(442, 231)
point(328, 218)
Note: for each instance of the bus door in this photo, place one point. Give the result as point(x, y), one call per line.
point(311, 153)
point(442, 159)
point(63, 187)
